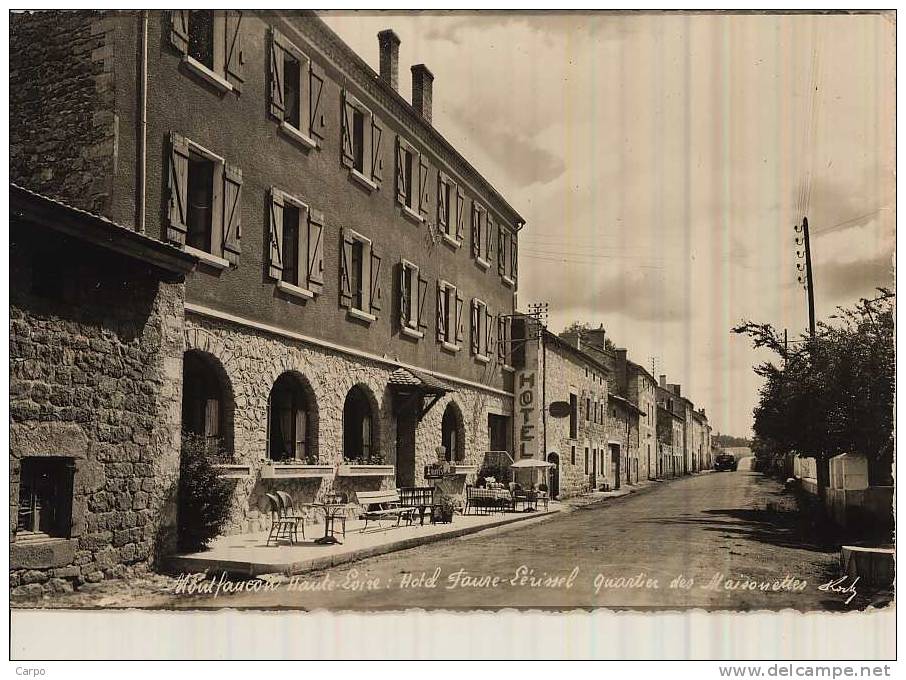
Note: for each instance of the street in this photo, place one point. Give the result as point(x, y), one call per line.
point(719, 540)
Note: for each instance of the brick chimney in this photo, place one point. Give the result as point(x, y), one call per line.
point(663, 381)
point(389, 44)
point(422, 90)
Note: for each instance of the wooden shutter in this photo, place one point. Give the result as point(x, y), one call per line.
point(442, 212)
point(232, 213)
point(375, 290)
point(211, 419)
point(422, 296)
point(514, 256)
point(501, 250)
point(377, 158)
point(401, 189)
point(424, 193)
point(501, 337)
point(179, 30)
point(178, 186)
point(275, 80)
point(345, 273)
point(315, 108)
point(476, 230)
point(347, 148)
point(460, 303)
point(489, 238)
point(315, 251)
point(460, 213)
point(275, 268)
point(404, 298)
point(475, 327)
point(233, 50)
point(489, 332)
point(441, 312)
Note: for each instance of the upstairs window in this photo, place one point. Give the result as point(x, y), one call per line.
point(573, 416)
point(45, 498)
point(407, 159)
point(449, 316)
point(482, 225)
point(450, 210)
point(296, 245)
point(481, 337)
point(204, 210)
point(361, 143)
point(210, 42)
point(507, 255)
point(413, 292)
point(504, 339)
point(360, 277)
point(295, 84)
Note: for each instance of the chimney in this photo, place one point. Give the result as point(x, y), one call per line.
point(621, 356)
point(664, 381)
point(422, 90)
point(389, 44)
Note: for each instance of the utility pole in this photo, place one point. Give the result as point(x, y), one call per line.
point(809, 281)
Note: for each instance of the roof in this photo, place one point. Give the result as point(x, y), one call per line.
point(624, 402)
point(641, 369)
point(52, 213)
point(563, 344)
point(663, 408)
point(410, 377)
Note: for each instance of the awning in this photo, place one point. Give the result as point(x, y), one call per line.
point(409, 377)
point(531, 463)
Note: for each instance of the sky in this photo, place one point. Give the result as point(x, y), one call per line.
point(661, 162)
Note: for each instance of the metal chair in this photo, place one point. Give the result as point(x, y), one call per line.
point(289, 511)
point(338, 498)
point(282, 528)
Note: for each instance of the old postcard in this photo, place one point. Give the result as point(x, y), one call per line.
point(386, 311)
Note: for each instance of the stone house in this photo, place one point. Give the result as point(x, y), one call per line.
point(670, 432)
point(351, 309)
point(550, 370)
point(701, 441)
point(96, 345)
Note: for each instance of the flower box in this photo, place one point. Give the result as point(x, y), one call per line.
point(355, 470)
point(295, 471)
point(233, 470)
point(465, 470)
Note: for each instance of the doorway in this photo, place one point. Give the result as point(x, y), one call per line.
point(615, 464)
point(405, 449)
point(554, 475)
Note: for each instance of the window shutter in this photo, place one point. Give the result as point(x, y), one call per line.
point(347, 149)
point(401, 189)
point(345, 274)
point(460, 303)
point(476, 230)
point(316, 113)
point(375, 281)
point(377, 158)
point(475, 334)
point(460, 214)
point(315, 251)
point(442, 202)
point(233, 51)
point(275, 269)
point(441, 312)
point(489, 238)
point(422, 296)
point(424, 193)
point(514, 256)
point(232, 213)
point(277, 105)
point(178, 185)
point(489, 332)
point(404, 298)
point(179, 30)
point(501, 250)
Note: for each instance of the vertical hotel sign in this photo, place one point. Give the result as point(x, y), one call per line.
point(528, 398)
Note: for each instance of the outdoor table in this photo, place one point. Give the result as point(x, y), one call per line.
point(331, 512)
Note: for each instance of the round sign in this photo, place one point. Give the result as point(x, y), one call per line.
point(560, 409)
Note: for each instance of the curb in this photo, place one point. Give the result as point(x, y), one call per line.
point(252, 569)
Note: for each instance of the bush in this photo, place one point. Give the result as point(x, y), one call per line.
point(204, 499)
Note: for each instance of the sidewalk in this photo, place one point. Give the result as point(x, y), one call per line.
point(249, 554)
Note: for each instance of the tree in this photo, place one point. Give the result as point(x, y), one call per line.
point(581, 328)
point(204, 499)
point(833, 393)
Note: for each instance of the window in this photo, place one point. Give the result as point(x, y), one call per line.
point(202, 401)
point(572, 455)
point(413, 293)
point(449, 316)
point(205, 215)
point(45, 498)
point(290, 422)
point(481, 235)
point(296, 246)
point(358, 430)
point(587, 409)
point(360, 277)
point(480, 335)
point(450, 210)
point(452, 434)
point(573, 416)
point(294, 94)
point(586, 460)
point(506, 255)
point(504, 339)
point(361, 143)
point(211, 45)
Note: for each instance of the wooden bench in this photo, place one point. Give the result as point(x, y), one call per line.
point(379, 505)
point(419, 497)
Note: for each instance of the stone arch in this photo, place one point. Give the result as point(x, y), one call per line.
point(283, 413)
point(453, 432)
point(361, 440)
point(208, 399)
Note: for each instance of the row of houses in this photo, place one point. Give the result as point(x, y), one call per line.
point(225, 223)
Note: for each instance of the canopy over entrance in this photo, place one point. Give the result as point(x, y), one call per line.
point(414, 389)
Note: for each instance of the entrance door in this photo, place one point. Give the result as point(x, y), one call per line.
point(615, 464)
point(405, 449)
point(554, 474)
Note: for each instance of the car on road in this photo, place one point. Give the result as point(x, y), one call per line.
point(725, 461)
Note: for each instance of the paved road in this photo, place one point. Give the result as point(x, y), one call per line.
point(626, 552)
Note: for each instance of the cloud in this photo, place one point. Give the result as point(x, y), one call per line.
point(641, 294)
point(849, 280)
point(548, 25)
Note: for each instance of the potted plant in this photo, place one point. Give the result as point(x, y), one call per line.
point(442, 512)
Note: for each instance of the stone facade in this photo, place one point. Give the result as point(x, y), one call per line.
point(252, 360)
point(94, 382)
point(67, 150)
point(623, 431)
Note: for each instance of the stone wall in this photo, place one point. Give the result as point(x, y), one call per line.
point(63, 128)
point(252, 360)
point(94, 377)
